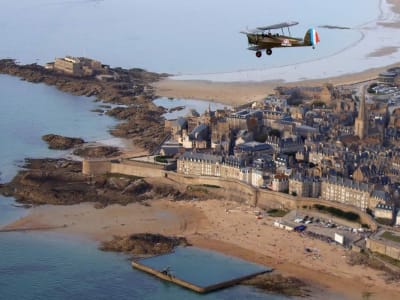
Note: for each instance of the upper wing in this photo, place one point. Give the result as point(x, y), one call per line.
point(278, 26)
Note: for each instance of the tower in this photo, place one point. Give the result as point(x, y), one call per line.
point(361, 123)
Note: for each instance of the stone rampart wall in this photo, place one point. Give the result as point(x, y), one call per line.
point(230, 189)
point(383, 248)
point(96, 167)
point(138, 169)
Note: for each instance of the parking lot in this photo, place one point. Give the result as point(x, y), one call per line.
point(324, 226)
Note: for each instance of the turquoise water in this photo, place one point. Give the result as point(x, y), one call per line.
point(175, 36)
point(37, 265)
point(191, 264)
point(50, 266)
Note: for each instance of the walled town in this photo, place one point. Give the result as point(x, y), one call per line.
point(321, 160)
point(334, 145)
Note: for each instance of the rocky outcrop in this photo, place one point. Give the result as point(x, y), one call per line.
point(143, 244)
point(61, 182)
point(59, 142)
point(142, 120)
point(276, 283)
point(97, 151)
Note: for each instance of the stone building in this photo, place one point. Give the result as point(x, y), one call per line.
point(199, 164)
point(383, 211)
point(285, 145)
point(245, 119)
point(305, 186)
point(280, 183)
point(77, 66)
point(361, 123)
point(346, 191)
point(202, 164)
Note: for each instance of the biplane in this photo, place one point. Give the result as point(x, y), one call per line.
point(263, 38)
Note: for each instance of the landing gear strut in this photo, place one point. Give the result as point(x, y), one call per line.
point(268, 51)
point(258, 54)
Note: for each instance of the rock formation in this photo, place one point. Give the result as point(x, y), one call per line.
point(59, 142)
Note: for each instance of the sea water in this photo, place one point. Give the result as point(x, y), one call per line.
point(191, 264)
point(174, 36)
point(29, 111)
point(52, 266)
point(38, 265)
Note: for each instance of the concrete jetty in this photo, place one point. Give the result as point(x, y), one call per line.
point(22, 229)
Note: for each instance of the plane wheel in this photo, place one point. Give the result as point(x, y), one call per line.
point(269, 51)
point(258, 53)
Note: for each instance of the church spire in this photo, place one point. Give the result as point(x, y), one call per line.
point(361, 123)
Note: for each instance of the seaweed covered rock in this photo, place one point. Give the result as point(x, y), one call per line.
point(143, 244)
point(59, 142)
point(277, 283)
point(61, 182)
point(97, 151)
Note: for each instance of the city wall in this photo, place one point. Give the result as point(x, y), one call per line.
point(228, 188)
point(381, 247)
point(133, 168)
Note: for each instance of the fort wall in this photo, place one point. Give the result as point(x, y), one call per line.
point(230, 189)
point(384, 248)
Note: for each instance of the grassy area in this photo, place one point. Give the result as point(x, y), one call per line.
point(119, 175)
point(391, 236)
point(277, 213)
point(162, 159)
point(388, 259)
point(197, 188)
point(383, 221)
point(348, 215)
point(211, 186)
point(194, 187)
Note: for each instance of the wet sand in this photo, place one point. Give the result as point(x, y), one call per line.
point(237, 93)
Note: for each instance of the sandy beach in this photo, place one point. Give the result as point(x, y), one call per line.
point(222, 226)
point(237, 93)
point(375, 52)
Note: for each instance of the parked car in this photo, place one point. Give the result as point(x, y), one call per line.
point(300, 228)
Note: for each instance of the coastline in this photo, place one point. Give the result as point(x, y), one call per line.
point(198, 220)
point(258, 241)
point(237, 93)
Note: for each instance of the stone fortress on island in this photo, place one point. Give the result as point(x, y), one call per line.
point(77, 66)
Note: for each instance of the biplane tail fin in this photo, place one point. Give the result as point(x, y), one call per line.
point(311, 38)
